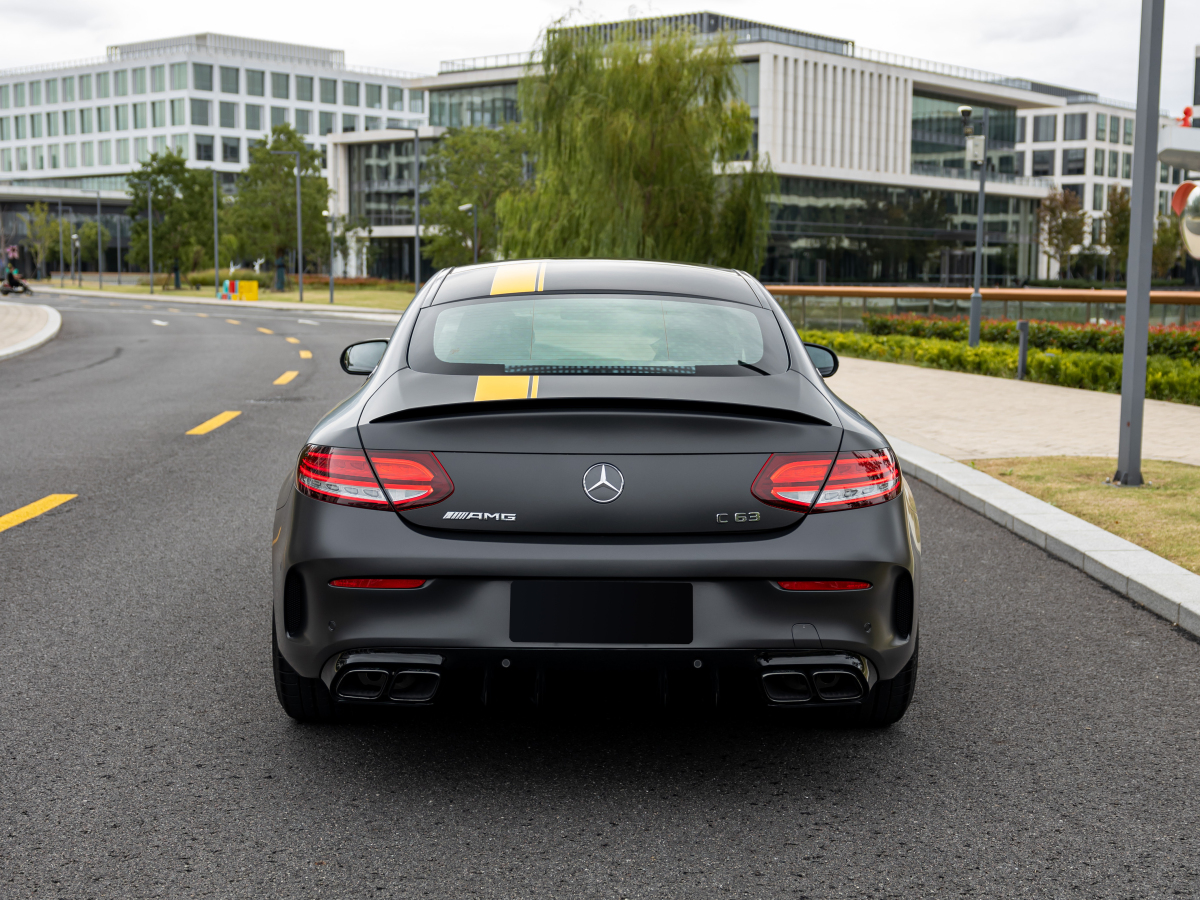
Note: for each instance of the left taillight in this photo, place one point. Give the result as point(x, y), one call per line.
point(823, 482)
point(371, 479)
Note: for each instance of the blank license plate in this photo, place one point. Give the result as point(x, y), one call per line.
point(601, 612)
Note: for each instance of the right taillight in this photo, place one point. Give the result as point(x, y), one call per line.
point(823, 482)
point(369, 480)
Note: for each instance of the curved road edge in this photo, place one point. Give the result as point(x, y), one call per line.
point(44, 334)
point(1160, 585)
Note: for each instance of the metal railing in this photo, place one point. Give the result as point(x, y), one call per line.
point(937, 171)
point(496, 61)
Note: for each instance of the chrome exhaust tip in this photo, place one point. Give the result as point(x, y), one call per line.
point(363, 684)
point(414, 686)
point(786, 686)
point(836, 685)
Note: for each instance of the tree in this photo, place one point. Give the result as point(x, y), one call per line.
point(87, 240)
point(470, 165)
point(1116, 229)
point(1061, 224)
point(642, 151)
point(1168, 245)
point(42, 231)
point(264, 215)
point(182, 206)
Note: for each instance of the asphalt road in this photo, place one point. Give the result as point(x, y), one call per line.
point(1051, 750)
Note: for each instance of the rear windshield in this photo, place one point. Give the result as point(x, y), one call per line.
point(597, 334)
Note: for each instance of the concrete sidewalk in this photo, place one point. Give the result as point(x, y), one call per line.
point(966, 416)
point(24, 326)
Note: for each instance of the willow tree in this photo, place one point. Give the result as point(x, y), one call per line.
point(642, 150)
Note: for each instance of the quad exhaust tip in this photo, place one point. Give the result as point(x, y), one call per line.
point(383, 676)
point(820, 683)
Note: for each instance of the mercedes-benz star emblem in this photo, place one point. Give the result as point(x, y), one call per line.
point(603, 482)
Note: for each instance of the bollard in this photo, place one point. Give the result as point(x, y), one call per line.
point(1023, 348)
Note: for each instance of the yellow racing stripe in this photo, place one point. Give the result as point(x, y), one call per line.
point(516, 278)
point(502, 387)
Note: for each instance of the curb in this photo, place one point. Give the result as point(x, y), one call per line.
point(51, 328)
point(361, 313)
point(1158, 584)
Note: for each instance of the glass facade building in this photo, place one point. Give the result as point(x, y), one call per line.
point(488, 104)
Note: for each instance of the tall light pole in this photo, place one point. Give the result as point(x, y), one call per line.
point(60, 246)
point(475, 227)
point(99, 245)
point(299, 237)
point(332, 228)
point(216, 242)
point(1141, 247)
point(416, 204)
point(150, 225)
point(118, 241)
point(976, 150)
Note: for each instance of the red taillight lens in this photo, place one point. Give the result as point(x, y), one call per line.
point(860, 478)
point(348, 477)
point(792, 480)
point(385, 584)
point(824, 585)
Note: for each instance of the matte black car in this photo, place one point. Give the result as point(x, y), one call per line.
point(595, 465)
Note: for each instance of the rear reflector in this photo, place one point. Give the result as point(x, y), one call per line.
point(824, 585)
point(349, 478)
point(822, 482)
point(384, 584)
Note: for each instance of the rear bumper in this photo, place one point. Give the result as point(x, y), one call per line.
point(740, 614)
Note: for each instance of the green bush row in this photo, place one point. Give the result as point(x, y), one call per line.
point(1167, 379)
point(1175, 341)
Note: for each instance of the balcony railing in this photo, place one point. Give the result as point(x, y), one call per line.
point(937, 171)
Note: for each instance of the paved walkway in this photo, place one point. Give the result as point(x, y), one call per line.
point(24, 326)
point(967, 416)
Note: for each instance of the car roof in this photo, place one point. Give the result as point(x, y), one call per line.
point(625, 276)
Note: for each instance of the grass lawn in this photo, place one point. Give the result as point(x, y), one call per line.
point(1163, 515)
point(371, 297)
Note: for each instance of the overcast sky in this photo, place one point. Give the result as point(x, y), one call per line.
point(1090, 45)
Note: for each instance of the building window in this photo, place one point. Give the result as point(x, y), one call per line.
point(304, 88)
point(416, 101)
point(178, 107)
point(158, 114)
point(121, 117)
point(349, 93)
point(1114, 129)
point(68, 121)
point(279, 115)
point(201, 112)
point(22, 159)
point(1113, 162)
point(1098, 165)
point(87, 154)
point(179, 76)
point(85, 121)
point(103, 118)
point(68, 89)
point(326, 123)
point(51, 124)
point(349, 122)
point(324, 156)
point(123, 152)
point(53, 155)
point(372, 123)
point(256, 83)
point(39, 158)
point(85, 87)
point(121, 83)
point(102, 85)
point(1097, 230)
point(141, 149)
point(51, 90)
point(229, 79)
point(1176, 176)
point(1164, 173)
point(1097, 197)
point(35, 93)
point(374, 96)
point(279, 85)
point(19, 94)
point(1044, 128)
point(158, 79)
point(304, 121)
point(105, 148)
point(396, 99)
point(1164, 202)
point(228, 115)
point(204, 148)
point(139, 115)
point(5, 96)
point(1043, 163)
point(329, 90)
point(160, 144)
point(1128, 138)
point(254, 114)
point(5, 128)
point(19, 127)
point(496, 104)
point(1020, 137)
point(179, 144)
point(1126, 165)
point(231, 150)
point(70, 161)
point(35, 125)
point(1075, 127)
point(202, 77)
point(6, 161)
point(139, 81)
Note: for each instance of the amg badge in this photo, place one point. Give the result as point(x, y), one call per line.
point(500, 517)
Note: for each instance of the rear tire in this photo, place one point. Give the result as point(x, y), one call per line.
point(304, 699)
point(889, 700)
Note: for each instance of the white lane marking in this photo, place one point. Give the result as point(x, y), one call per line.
point(307, 322)
point(157, 322)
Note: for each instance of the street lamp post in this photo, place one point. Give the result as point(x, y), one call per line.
point(416, 204)
point(118, 239)
point(976, 149)
point(299, 237)
point(216, 242)
point(61, 267)
point(76, 272)
point(332, 229)
point(150, 226)
point(99, 246)
point(474, 226)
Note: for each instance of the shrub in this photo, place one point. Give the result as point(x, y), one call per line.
point(1167, 378)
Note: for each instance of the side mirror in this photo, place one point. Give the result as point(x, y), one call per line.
point(823, 358)
point(363, 357)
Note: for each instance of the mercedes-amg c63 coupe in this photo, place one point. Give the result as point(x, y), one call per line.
point(603, 466)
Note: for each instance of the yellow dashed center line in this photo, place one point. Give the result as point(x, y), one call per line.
point(25, 513)
point(266, 330)
point(172, 309)
point(233, 321)
point(292, 340)
point(286, 377)
point(306, 354)
point(202, 315)
point(215, 422)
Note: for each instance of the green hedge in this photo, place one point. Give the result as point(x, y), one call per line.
point(1167, 378)
point(1177, 342)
